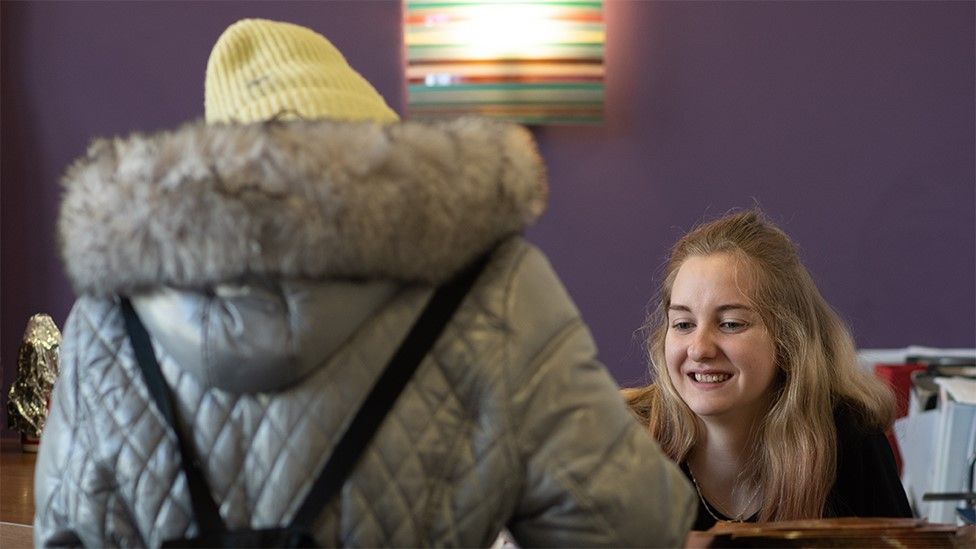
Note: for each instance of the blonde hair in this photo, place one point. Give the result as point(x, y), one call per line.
point(795, 459)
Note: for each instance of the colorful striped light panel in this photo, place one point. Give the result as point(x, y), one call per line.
point(534, 62)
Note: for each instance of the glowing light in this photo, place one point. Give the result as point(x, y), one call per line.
point(535, 61)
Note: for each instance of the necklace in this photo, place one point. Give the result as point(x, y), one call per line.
point(738, 518)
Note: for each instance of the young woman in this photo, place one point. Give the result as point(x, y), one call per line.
point(757, 393)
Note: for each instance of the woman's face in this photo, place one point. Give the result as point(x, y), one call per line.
point(720, 356)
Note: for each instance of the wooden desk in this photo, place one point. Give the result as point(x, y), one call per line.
point(16, 495)
point(852, 532)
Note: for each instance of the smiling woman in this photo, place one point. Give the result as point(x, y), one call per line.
point(757, 393)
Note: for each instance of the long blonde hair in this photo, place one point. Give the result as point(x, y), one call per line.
point(795, 459)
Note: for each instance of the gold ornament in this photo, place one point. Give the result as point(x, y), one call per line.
point(37, 369)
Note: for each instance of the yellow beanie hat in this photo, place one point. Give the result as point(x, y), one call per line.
point(260, 70)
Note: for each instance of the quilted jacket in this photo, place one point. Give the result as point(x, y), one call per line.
point(277, 266)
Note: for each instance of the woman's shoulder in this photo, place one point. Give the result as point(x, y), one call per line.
point(854, 419)
point(861, 443)
point(866, 482)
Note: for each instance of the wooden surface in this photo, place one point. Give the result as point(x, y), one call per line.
point(16, 495)
point(15, 536)
point(857, 532)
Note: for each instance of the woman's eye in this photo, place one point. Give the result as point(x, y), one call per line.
point(732, 325)
point(681, 325)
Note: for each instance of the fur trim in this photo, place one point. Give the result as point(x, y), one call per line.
point(204, 204)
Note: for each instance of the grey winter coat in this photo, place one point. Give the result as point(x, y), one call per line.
point(277, 266)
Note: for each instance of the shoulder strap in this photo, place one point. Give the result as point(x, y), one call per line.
point(421, 337)
point(204, 508)
point(424, 332)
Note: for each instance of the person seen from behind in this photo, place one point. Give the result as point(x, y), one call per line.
point(277, 254)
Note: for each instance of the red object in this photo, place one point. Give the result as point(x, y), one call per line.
point(899, 378)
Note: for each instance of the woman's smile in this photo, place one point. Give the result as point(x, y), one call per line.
point(710, 378)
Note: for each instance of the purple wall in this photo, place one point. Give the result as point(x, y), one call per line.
point(850, 123)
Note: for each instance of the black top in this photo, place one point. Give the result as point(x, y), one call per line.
point(867, 482)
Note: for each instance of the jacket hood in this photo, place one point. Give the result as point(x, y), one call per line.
point(254, 252)
point(206, 204)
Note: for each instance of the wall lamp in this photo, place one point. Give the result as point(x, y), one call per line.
point(533, 62)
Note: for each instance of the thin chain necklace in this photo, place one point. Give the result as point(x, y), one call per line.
point(708, 507)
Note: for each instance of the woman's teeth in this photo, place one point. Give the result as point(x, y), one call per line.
point(711, 378)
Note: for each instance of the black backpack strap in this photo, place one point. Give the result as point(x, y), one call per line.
point(204, 508)
point(381, 398)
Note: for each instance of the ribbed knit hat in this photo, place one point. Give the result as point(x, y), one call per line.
point(260, 69)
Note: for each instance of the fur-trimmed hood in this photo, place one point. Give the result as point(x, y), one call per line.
point(306, 200)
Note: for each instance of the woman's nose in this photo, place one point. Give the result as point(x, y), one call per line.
point(702, 345)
